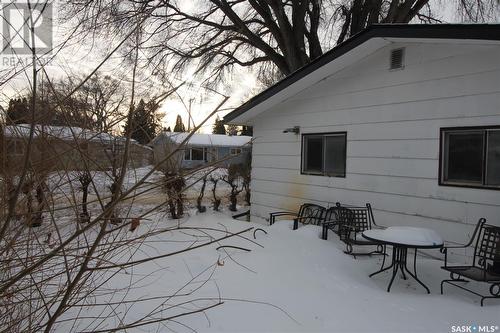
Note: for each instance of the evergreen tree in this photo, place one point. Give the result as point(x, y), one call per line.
point(179, 125)
point(218, 127)
point(167, 129)
point(232, 129)
point(143, 123)
point(18, 112)
point(246, 130)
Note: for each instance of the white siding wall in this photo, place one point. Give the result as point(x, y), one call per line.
point(392, 119)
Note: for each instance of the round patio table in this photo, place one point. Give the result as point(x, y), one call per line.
point(401, 239)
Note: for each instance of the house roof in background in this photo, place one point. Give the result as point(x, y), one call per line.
point(200, 139)
point(60, 132)
point(395, 31)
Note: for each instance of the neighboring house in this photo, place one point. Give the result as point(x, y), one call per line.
point(200, 149)
point(69, 148)
point(406, 117)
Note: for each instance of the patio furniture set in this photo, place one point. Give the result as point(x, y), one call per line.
point(355, 226)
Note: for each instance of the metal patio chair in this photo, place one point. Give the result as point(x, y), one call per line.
point(485, 265)
point(308, 213)
point(273, 215)
point(352, 222)
point(331, 221)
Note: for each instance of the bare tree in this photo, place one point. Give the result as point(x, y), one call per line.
point(103, 97)
point(277, 37)
point(97, 104)
point(234, 179)
point(85, 179)
point(59, 275)
point(199, 201)
point(216, 200)
point(174, 185)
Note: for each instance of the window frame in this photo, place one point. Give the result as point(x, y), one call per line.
point(190, 150)
point(15, 147)
point(442, 154)
point(323, 134)
point(238, 151)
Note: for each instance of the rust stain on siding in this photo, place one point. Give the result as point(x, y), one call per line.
point(294, 191)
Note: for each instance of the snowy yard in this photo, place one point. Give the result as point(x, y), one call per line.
point(281, 281)
point(289, 281)
point(149, 193)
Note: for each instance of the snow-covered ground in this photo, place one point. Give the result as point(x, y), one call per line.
point(65, 183)
point(289, 281)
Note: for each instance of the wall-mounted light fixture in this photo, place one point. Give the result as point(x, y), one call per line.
point(294, 129)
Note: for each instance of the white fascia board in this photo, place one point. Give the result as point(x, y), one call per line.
point(443, 41)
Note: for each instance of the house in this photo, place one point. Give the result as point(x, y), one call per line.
point(200, 149)
point(406, 117)
point(68, 148)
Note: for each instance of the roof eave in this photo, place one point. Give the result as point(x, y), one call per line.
point(409, 31)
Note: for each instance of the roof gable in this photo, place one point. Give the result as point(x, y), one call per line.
point(366, 42)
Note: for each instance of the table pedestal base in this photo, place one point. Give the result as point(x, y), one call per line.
point(399, 261)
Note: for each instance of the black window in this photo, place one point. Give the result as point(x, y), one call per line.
point(324, 154)
point(493, 158)
point(197, 154)
point(470, 157)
